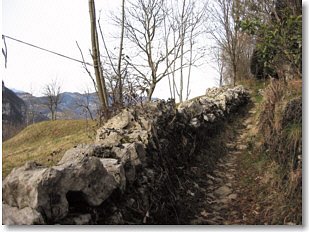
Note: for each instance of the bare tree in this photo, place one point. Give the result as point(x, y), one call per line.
point(196, 16)
point(171, 36)
point(186, 18)
point(144, 29)
point(226, 15)
point(52, 93)
point(218, 58)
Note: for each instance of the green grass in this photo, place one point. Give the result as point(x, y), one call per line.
point(45, 142)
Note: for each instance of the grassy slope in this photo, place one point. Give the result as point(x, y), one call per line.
point(45, 142)
point(266, 198)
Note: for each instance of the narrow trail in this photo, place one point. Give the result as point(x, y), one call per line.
point(223, 194)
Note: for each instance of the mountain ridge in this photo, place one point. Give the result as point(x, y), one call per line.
point(72, 106)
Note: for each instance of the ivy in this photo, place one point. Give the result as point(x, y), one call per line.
point(278, 40)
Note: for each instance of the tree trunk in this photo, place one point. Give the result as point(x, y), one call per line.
point(150, 92)
point(119, 85)
point(221, 76)
point(53, 115)
point(182, 36)
point(234, 74)
point(190, 65)
point(96, 58)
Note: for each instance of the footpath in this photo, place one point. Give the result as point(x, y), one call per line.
point(223, 194)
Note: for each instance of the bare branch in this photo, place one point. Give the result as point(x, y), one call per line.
point(85, 67)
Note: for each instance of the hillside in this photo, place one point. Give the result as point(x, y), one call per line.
point(45, 142)
point(13, 113)
point(70, 106)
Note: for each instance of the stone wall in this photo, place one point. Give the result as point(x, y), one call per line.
point(126, 176)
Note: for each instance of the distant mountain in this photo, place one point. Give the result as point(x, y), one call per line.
point(17, 90)
point(36, 112)
point(13, 113)
point(72, 106)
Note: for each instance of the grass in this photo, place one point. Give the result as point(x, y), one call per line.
point(267, 201)
point(45, 142)
point(273, 188)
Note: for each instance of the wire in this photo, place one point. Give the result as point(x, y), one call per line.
point(46, 50)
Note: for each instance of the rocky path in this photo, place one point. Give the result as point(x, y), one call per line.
point(223, 193)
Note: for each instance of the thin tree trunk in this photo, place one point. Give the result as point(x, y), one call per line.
point(102, 79)
point(174, 70)
point(150, 92)
point(119, 81)
point(167, 59)
point(234, 74)
point(221, 76)
point(182, 35)
point(96, 58)
point(53, 116)
point(190, 65)
point(181, 75)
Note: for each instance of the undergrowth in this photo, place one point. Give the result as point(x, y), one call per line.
point(275, 157)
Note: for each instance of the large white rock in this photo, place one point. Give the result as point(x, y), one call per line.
point(117, 170)
point(44, 189)
point(25, 216)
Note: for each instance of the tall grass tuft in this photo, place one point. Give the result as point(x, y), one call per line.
point(280, 124)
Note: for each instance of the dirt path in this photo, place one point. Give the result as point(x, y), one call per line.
point(223, 192)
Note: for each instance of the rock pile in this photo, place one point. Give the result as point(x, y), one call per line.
point(129, 167)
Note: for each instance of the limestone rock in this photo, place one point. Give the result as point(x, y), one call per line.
point(117, 170)
point(97, 150)
point(232, 196)
point(110, 136)
point(121, 121)
point(123, 128)
point(223, 191)
point(209, 117)
point(24, 216)
point(192, 108)
point(45, 189)
point(131, 155)
point(195, 122)
point(131, 152)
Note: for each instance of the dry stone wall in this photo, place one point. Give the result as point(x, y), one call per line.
point(126, 176)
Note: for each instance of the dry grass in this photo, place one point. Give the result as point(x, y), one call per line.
point(45, 142)
point(271, 109)
point(273, 165)
point(268, 199)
